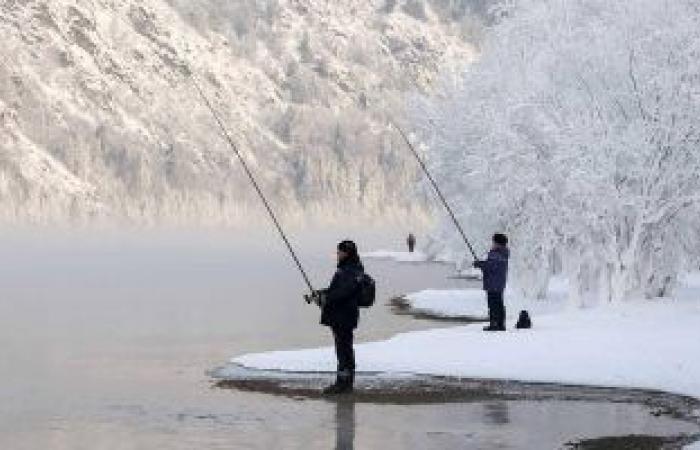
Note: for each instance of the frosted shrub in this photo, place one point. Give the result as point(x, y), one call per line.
point(577, 133)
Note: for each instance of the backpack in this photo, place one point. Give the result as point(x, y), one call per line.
point(524, 320)
point(365, 299)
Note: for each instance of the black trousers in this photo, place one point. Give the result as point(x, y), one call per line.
point(343, 348)
point(497, 310)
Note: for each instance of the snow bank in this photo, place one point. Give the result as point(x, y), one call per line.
point(469, 273)
point(445, 257)
point(693, 446)
point(462, 303)
point(471, 303)
point(646, 344)
point(690, 283)
point(416, 256)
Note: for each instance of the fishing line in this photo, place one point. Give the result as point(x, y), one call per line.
point(435, 186)
point(255, 184)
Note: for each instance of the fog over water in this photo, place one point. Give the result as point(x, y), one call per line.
point(107, 339)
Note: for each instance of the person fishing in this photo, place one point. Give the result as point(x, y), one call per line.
point(411, 242)
point(495, 272)
point(340, 311)
point(350, 288)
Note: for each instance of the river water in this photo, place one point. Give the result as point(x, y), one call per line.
point(107, 340)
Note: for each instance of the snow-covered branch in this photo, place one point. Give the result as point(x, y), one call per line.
point(582, 119)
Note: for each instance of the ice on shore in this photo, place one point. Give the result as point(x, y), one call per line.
point(470, 273)
point(651, 344)
point(397, 256)
point(471, 303)
point(458, 303)
point(416, 256)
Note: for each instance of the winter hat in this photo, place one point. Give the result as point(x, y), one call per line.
point(348, 247)
point(500, 239)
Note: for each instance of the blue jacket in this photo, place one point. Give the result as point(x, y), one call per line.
point(495, 269)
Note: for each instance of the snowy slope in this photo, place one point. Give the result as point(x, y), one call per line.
point(98, 91)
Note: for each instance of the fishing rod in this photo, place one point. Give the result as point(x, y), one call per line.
point(255, 184)
point(437, 189)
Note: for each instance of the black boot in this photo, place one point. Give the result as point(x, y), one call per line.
point(343, 383)
point(349, 381)
point(497, 312)
point(492, 325)
point(332, 389)
point(495, 326)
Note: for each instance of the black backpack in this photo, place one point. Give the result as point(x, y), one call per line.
point(365, 299)
point(524, 320)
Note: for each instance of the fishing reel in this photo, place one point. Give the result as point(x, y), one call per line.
point(316, 297)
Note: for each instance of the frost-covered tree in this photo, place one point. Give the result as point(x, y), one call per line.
point(97, 117)
point(578, 133)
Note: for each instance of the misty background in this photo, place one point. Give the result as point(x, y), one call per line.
point(99, 122)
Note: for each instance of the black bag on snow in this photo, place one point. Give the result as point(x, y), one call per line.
point(367, 291)
point(524, 321)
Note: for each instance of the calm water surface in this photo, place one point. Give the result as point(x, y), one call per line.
point(107, 339)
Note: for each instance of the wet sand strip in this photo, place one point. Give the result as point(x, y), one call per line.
point(410, 389)
point(375, 387)
point(633, 442)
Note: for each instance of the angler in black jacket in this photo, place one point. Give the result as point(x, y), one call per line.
point(340, 312)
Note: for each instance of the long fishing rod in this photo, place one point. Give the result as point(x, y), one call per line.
point(253, 182)
point(437, 189)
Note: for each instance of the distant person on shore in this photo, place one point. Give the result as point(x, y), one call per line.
point(495, 271)
point(340, 312)
point(411, 242)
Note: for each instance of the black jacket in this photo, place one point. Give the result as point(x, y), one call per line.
point(495, 269)
point(340, 309)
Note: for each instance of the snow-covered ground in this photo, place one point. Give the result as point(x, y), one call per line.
point(397, 256)
point(445, 257)
point(462, 303)
point(643, 344)
point(471, 303)
point(469, 273)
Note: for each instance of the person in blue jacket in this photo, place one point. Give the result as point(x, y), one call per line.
point(495, 273)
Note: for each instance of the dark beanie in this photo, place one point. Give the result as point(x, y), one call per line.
point(348, 247)
point(500, 239)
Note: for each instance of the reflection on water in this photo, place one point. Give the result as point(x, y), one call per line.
point(344, 424)
point(496, 413)
point(494, 424)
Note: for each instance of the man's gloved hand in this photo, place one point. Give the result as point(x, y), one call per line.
point(317, 297)
point(320, 298)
